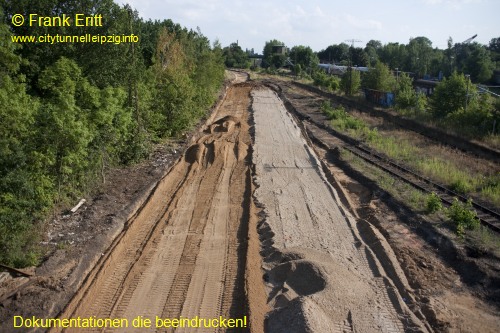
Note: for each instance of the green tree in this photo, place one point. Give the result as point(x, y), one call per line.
point(372, 50)
point(379, 78)
point(405, 94)
point(419, 55)
point(394, 55)
point(350, 81)
point(479, 64)
point(63, 129)
point(23, 188)
point(235, 57)
point(103, 64)
point(451, 95)
point(494, 47)
point(270, 58)
point(358, 57)
point(305, 57)
point(335, 53)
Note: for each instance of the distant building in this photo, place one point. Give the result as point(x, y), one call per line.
point(279, 49)
point(340, 70)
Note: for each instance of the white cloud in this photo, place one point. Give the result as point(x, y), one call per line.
point(364, 24)
point(319, 23)
point(455, 4)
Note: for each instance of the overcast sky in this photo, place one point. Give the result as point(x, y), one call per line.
point(319, 23)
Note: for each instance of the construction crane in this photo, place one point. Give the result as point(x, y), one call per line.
point(467, 41)
point(458, 48)
point(352, 41)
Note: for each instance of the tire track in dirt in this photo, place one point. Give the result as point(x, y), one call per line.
point(183, 254)
point(321, 271)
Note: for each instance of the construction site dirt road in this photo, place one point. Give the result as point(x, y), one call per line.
point(183, 254)
point(247, 231)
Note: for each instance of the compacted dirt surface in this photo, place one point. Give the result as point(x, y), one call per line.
point(246, 221)
point(322, 274)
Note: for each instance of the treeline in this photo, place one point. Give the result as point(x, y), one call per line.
point(421, 58)
point(457, 103)
point(418, 57)
point(68, 112)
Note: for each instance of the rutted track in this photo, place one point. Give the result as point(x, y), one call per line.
point(183, 254)
point(321, 133)
point(326, 270)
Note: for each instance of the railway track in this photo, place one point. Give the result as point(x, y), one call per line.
point(431, 133)
point(487, 216)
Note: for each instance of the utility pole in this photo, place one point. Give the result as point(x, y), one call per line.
point(467, 77)
point(352, 41)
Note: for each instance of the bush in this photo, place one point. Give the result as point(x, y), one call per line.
point(450, 95)
point(433, 204)
point(350, 82)
point(330, 83)
point(463, 216)
point(460, 186)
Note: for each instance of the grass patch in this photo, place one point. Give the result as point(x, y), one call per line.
point(486, 240)
point(461, 215)
point(436, 168)
point(491, 188)
point(398, 189)
point(341, 120)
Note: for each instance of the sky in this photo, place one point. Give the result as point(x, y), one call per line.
point(320, 23)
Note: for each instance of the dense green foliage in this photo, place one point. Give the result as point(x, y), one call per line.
point(305, 57)
point(70, 111)
point(379, 78)
point(433, 203)
point(456, 102)
point(463, 216)
point(420, 57)
point(272, 59)
point(350, 81)
point(340, 119)
point(405, 94)
point(235, 57)
point(328, 82)
point(450, 95)
point(336, 53)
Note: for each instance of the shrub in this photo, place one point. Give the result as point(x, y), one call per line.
point(463, 216)
point(461, 186)
point(433, 203)
point(331, 83)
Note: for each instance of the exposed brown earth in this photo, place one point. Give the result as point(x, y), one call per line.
point(181, 255)
point(252, 221)
point(322, 272)
point(456, 288)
